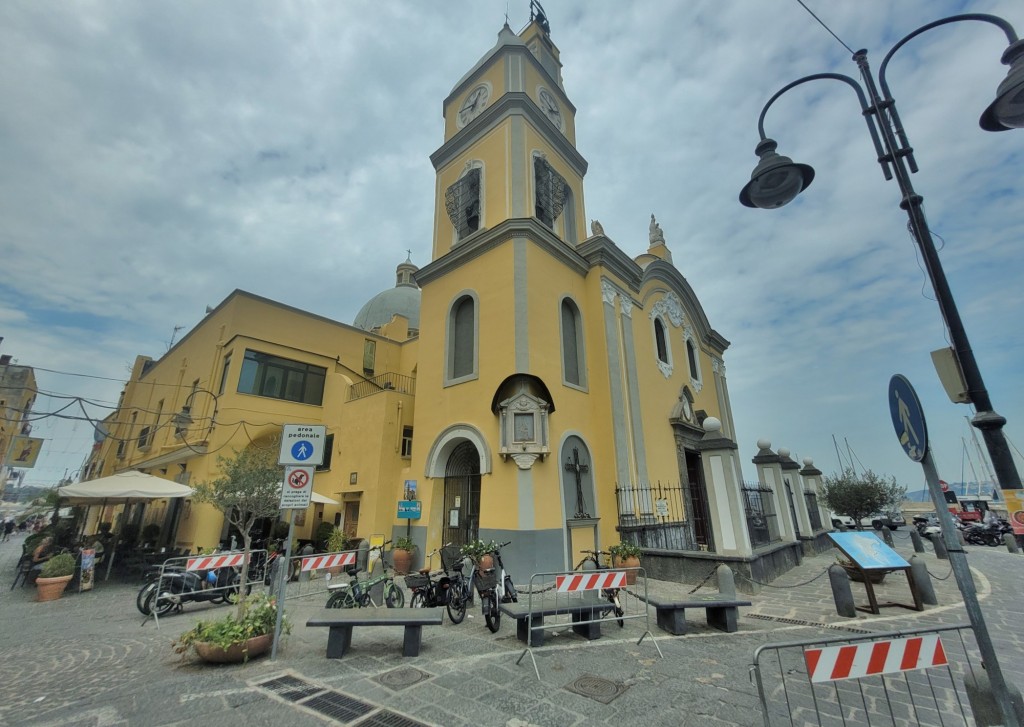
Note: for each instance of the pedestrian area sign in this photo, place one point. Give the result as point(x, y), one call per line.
point(302, 444)
point(297, 489)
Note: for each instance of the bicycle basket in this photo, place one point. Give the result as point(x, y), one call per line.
point(416, 580)
point(486, 580)
point(451, 556)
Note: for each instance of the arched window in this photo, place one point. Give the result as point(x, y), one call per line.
point(691, 356)
point(462, 335)
point(659, 340)
point(573, 361)
point(463, 201)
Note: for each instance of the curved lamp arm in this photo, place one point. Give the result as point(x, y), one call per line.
point(865, 109)
point(184, 418)
point(993, 119)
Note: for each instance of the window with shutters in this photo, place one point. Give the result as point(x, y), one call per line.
point(573, 362)
point(550, 191)
point(462, 202)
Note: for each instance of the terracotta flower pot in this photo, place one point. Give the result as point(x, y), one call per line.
point(236, 653)
point(50, 589)
point(402, 560)
point(630, 562)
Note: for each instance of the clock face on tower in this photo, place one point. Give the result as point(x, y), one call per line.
point(474, 104)
point(550, 107)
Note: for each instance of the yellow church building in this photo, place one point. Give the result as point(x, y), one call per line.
point(532, 383)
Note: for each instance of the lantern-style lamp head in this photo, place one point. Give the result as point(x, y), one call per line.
point(1007, 111)
point(776, 180)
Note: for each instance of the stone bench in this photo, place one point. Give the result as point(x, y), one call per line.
point(722, 612)
point(585, 610)
point(342, 621)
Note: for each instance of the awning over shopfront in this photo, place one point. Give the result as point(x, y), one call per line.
point(123, 487)
point(323, 500)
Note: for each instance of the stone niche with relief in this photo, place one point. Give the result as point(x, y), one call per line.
point(524, 429)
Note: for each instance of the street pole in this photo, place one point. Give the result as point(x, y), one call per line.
point(282, 583)
point(988, 421)
point(965, 582)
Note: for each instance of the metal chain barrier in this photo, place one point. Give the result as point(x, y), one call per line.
point(788, 585)
point(941, 578)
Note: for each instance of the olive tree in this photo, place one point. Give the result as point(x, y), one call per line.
point(860, 496)
point(248, 489)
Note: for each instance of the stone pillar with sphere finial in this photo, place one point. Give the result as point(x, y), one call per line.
point(720, 463)
point(769, 475)
point(811, 476)
point(791, 475)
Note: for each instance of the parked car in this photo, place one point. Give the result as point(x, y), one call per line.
point(893, 519)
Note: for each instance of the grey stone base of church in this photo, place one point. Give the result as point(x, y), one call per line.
point(752, 572)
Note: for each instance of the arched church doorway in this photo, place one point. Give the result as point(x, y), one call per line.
point(462, 495)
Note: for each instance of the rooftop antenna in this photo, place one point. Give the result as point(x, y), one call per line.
point(174, 334)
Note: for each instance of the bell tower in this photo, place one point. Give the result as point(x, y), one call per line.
point(509, 150)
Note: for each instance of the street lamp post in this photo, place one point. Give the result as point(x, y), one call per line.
point(183, 419)
point(777, 180)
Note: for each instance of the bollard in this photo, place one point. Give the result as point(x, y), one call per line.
point(307, 549)
point(841, 528)
point(1011, 542)
point(363, 554)
point(940, 547)
point(923, 581)
point(983, 701)
point(960, 537)
point(726, 581)
point(915, 538)
point(841, 591)
point(887, 536)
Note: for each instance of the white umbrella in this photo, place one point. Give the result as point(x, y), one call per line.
point(123, 487)
point(323, 500)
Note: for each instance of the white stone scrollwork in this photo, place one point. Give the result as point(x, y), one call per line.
point(524, 460)
point(627, 306)
point(718, 365)
point(608, 292)
point(664, 368)
point(672, 309)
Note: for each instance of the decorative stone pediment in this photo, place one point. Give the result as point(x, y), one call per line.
point(524, 429)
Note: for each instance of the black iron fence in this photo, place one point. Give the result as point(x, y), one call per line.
point(383, 382)
point(655, 516)
point(759, 508)
point(811, 500)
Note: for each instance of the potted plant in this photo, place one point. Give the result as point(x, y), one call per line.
point(336, 543)
point(479, 551)
point(626, 555)
point(401, 554)
point(234, 639)
point(54, 577)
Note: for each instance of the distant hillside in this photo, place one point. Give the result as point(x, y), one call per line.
point(962, 489)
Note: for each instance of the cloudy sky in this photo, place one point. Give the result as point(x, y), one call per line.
point(156, 156)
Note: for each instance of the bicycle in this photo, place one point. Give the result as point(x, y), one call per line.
point(430, 590)
point(495, 586)
point(592, 562)
point(460, 589)
point(356, 593)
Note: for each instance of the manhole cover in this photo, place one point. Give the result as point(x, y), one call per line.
point(402, 677)
point(596, 688)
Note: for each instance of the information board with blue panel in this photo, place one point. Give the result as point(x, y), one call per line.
point(868, 551)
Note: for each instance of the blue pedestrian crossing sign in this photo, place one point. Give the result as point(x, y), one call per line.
point(908, 418)
point(302, 444)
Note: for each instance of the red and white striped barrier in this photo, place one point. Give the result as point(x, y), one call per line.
point(590, 581)
point(853, 661)
point(210, 562)
point(331, 560)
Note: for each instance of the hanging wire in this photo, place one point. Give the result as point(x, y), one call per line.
point(826, 27)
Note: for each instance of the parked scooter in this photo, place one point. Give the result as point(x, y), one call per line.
point(177, 586)
point(927, 526)
point(984, 534)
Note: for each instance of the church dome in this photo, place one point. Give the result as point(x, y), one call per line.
point(402, 300)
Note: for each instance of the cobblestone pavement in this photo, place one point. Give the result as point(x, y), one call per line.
point(88, 659)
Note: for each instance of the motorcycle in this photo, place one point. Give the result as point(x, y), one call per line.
point(982, 534)
point(176, 586)
point(927, 526)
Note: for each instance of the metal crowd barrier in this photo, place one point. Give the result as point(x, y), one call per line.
point(911, 677)
point(314, 574)
point(577, 600)
point(211, 562)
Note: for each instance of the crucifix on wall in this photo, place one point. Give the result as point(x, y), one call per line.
point(573, 465)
